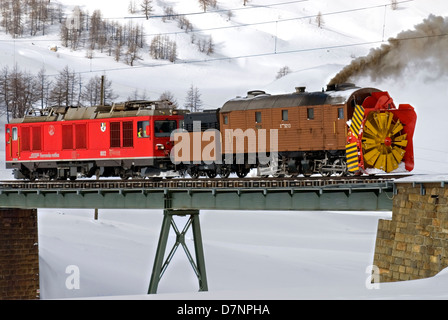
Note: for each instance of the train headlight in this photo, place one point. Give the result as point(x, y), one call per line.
point(160, 147)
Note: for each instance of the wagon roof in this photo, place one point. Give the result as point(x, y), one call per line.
point(262, 100)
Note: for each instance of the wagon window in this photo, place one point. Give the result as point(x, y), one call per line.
point(284, 115)
point(341, 113)
point(310, 113)
point(257, 117)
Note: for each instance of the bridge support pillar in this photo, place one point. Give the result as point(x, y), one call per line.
point(160, 265)
point(19, 255)
point(414, 244)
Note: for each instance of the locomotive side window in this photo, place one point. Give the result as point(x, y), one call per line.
point(78, 132)
point(81, 134)
point(67, 137)
point(115, 134)
point(257, 117)
point(226, 119)
point(26, 146)
point(37, 141)
point(310, 113)
point(284, 115)
point(128, 134)
point(143, 129)
point(164, 128)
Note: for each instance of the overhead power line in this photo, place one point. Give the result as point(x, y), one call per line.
point(282, 20)
point(209, 60)
point(251, 7)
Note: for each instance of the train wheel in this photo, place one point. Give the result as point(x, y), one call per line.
point(275, 167)
point(124, 174)
point(324, 173)
point(32, 176)
point(194, 175)
point(224, 172)
point(211, 174)
point(339, 167)
point(308, 169)
point(242, 173)
point(193, 172)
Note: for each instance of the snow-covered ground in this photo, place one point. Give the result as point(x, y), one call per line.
point(249, 255)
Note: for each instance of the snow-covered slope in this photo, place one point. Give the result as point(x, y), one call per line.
point(256, 41)
point(274, 255)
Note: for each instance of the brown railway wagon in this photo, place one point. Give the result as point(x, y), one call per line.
point(304, 121)
point(287, 134)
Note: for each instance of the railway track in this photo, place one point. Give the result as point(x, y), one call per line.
point(230, 183)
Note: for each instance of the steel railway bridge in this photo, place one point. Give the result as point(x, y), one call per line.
point(186, 197)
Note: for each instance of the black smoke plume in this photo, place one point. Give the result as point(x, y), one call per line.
point(425, 47)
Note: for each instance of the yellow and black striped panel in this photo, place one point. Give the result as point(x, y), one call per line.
point(352, 157)
point(358, 116)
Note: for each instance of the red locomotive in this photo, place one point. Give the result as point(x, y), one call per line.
point(343, 130)
point(126, 140)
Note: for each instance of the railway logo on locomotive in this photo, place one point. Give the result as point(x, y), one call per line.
point(103, 126)
point(51, 130)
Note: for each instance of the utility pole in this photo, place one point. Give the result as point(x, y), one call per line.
point(102, 91)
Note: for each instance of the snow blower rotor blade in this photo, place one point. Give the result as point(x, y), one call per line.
point(383, 142)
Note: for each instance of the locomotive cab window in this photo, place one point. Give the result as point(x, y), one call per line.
point(164, 128)
point(143, 129)
point(284, 115)
point(257, 117)
point(310, 113)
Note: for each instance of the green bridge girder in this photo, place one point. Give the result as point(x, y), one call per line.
point(369, 196)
